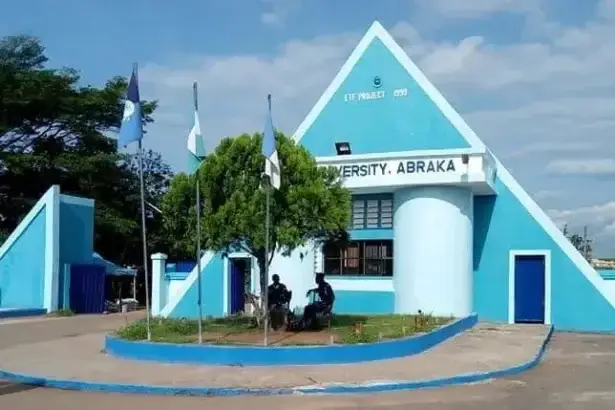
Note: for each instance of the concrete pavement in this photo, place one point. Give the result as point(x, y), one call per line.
point(578, 374)
point(79, 358)
point(14, 332)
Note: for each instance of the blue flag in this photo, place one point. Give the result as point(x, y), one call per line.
point(131, 129)
point(272, 163)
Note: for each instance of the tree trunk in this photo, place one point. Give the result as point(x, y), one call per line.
point(259, 312)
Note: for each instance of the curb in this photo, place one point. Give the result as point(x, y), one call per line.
point(233, 355)
point(367, 387)
point(21, 313)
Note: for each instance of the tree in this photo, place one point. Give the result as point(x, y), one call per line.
point(42, 103)
point(583, 244)
point(179, 217)
point(55, 131)
point(311, 204)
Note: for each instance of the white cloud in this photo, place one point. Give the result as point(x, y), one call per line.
point(541, 148)
point(582, 166)
point(599, 220)
point(606, 9)
point(548, 194)
point(532, 102)
point(473, 9)
point(271, 19)
point(233, 89)
point(278, 11)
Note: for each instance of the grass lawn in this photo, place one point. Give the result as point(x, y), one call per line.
point(61, 313)
point(345, 329)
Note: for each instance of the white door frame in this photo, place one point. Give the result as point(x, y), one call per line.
point(226, 300)
point(511, 280)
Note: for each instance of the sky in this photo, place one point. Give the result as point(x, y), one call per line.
point(533, 78)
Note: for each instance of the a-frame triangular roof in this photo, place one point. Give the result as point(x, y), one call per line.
point(377, 31)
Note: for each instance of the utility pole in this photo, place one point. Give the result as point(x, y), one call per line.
point(586, 244)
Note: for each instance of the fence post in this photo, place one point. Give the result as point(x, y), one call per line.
point(66, 287)
point(159, 288)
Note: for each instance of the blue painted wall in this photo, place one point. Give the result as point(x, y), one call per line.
point(386, 125)
point(76, 233)
point(370, 234)
point(212, 292)
point(180, 266)
point(76, 243)
point(608, 274)
point(502, 224)
point(22, 267)
point(351, 302)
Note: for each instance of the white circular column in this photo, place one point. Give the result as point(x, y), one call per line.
point(433, 261)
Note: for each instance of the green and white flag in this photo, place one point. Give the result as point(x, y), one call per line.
point(196, 147)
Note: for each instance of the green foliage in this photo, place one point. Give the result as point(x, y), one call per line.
point(184, 330)
point(178, 207)
point(41, 103)
point(311, 204)
point(348, 329)
point(62, 313)
point(582, 243)
point(54, 130)
point(369, 329)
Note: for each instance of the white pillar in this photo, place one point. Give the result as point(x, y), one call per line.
point(159, 284)
point(433, 230)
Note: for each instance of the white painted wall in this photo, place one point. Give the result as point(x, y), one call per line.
point(609, 285)
point(160, 289)
point(174, 286)
point(432, 269)
point(296, 273)
point(360, 285)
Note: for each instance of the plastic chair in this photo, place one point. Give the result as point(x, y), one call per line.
point(324, 315)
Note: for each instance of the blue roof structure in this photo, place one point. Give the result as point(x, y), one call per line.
point(111, 268)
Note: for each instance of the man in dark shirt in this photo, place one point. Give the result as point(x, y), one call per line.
point(278, 296)
point(324, 304)
point(277, 293)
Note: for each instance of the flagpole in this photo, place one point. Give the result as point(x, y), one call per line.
point(144, 230)
point(267, 222)
point(266, 294)
point(198, 230)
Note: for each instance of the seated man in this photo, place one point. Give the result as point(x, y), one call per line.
point(323, 304)
point(277, 293)
point(278, 296)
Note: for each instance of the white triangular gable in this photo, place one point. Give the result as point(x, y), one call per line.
point(378, 31)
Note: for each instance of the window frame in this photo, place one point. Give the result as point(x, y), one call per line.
point(372, 212)
point(359, 265)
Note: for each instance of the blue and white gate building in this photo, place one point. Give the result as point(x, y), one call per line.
point(438, 223)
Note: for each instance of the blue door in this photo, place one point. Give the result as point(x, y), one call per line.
point(87, 288)
point(237, 284)
point(529, 289)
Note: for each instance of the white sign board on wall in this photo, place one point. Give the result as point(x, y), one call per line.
point(399, 167)
point(410, 168)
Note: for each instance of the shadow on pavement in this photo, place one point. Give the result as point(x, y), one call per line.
point(12, 388)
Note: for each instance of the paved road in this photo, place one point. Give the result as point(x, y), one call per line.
point(14, 332)
point(578, 374)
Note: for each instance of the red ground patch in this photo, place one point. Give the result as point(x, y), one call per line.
point(275, 338)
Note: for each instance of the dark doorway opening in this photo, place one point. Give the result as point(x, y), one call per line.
point(240, 274)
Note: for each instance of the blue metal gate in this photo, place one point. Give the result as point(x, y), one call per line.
point(87, 288)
